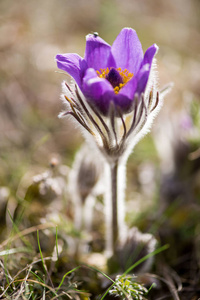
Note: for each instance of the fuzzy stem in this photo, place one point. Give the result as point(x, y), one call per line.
point(114, 199)
point(114, 205)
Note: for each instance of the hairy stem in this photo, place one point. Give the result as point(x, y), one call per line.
point(114, 199)
point(114, 206)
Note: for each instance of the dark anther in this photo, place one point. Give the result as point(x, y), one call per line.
point(114, 77)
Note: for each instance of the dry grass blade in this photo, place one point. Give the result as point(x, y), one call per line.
point(170, 283)
point(22, 286)
point(26, 232)
point(39, 283)
point(14, 279)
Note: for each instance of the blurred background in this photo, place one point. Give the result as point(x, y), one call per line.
point(32, 33)
point(164, 170)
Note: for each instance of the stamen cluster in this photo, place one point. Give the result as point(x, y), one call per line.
point(124, 74)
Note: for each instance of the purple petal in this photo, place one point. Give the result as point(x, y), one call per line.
point(97, 53)
point(129, 89)
point(95, 85)
point(149, 54)
point(97, 90)
point(73, 64)
point(127, 50)
point(142, 78)
point(123, 102)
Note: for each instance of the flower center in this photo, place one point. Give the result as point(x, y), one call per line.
point(117, 77)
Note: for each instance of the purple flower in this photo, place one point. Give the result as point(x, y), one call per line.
point(114, 73)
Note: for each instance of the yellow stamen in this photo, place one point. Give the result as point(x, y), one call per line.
point(125, 75)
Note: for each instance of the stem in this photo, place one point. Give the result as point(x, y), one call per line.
point(115, 206)
point(114, 199)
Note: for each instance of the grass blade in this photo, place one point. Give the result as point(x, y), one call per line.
point(65, 276)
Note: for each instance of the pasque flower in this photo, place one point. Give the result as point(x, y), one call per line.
point(110, 73)
point(114, 95)
point(114, 99)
